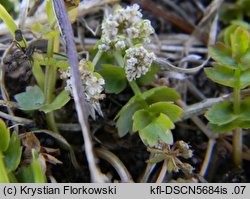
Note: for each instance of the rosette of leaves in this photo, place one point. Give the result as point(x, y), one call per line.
point(232, 69)
point(152, 114)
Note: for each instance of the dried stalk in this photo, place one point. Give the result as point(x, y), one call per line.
point(78, 94)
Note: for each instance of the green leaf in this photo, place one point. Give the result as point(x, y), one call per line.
point(168, 108)
point(25, 174)
point(245, 60)
point(115, 78)
point(242, 119)
point(239, 42)
point(158, 129)
point(51, 34)
point(124, 117)
point(228, 32)
point(13, 153)
point(58, 102)
point(221, 75)
point(245, 110)
point(221, 113)
point(50, 13)
point(38, 74)
point(31, 99)
point(227, 127)
point(149, 76)
point(226, 76)
point(222, 54)
point(245, 79)
point(161, 93)
point(3, 173)
point(9, 21)
point(38, 28)
point(4, 136)
point(38, 174)
point(141, 119)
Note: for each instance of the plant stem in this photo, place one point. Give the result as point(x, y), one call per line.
point(135, 87)
point(97, 57)
point(116, 163)
point(119, 59)
point(237, 146)
point(3, 173)
point(236, 100)
point(49, 87)
point(237, 135)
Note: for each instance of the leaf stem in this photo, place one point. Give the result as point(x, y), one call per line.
point(135, 87)
point(97, 57)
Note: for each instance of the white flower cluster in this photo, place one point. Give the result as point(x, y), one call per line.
point(92, 85)
point(137, 62)
point(123, 28)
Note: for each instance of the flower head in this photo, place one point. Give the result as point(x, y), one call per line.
point(137, 62)
point(123, 27)
point(92, 83)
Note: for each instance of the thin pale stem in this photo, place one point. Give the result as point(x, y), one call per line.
point(97, 57)
point(163, 172)
point(116, 163)
point(207, 159)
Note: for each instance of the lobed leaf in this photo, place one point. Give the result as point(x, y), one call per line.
point(161, 93)
point(158, 129)
point(141, 119)
point(168, 108)
point(31, 99)
point(58, 102)
point(124, 121)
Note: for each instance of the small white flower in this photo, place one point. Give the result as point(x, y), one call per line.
point(137, 62)
point(92, 85)
point(123, 25)
point(120, 45)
